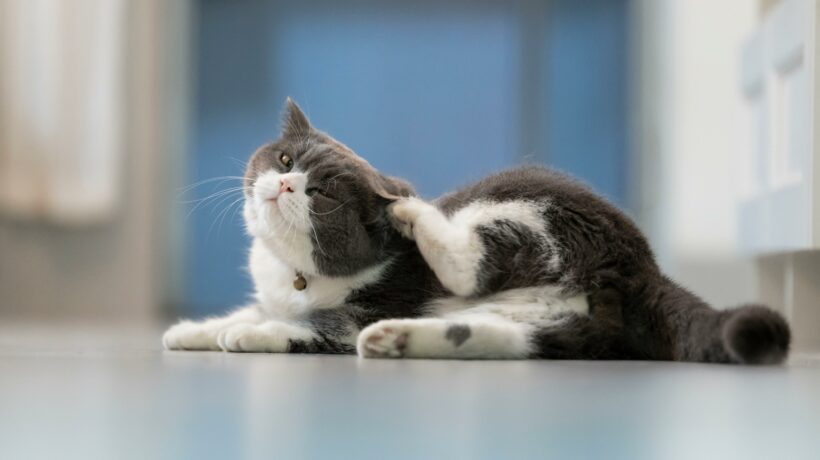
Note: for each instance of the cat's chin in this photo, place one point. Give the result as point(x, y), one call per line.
point(290, 246)
point(296, 252)
point(266, 222)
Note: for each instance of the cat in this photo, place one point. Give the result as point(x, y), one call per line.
point(526, 263)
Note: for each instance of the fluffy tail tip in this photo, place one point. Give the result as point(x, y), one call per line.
point(755, 334)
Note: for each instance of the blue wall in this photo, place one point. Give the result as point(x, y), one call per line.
point(586, 97)
point(437, 92)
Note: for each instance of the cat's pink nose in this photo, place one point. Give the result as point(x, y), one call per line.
point(285, 186)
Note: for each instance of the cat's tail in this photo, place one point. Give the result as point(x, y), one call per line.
point(673, 323)
point(754, 334)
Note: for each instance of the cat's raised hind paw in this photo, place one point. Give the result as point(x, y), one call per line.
point(404, 213)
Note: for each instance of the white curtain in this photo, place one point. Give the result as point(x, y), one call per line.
point(62, 94)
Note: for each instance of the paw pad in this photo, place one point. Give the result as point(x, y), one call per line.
point(383, 342)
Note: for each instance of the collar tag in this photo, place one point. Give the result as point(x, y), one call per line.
point(299, 283)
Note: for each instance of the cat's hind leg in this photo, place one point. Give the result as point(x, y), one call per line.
point(452, 251)
point(480, 337)
point(516, 324)
point(481, 246)
point(568, 336)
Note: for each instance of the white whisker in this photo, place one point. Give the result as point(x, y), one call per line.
point(331, 211)
point(221, 179)
point(214, 198)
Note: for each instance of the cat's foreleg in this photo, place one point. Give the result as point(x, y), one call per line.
point(248, 330)
point(202, 335)
point(322, 331)
point(480, 337)
point(265, 337)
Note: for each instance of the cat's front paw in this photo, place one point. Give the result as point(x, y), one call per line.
point(404, 213)
point(385, 339)
point(188, 335)
point(258, 338)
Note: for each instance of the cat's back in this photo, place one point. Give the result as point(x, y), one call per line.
point(530, 183)
point(568, 204)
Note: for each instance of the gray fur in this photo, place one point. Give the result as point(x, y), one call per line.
point(458, 334)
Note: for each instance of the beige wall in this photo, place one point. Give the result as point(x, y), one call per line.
point(118, 269)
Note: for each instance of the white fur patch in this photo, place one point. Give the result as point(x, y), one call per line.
point(526, 304)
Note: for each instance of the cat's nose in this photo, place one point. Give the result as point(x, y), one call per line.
point(285, 186)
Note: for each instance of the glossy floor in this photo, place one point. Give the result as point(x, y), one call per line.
point(110, 394)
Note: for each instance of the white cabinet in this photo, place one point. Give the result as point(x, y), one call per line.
point(781, 205)
point(780, 214)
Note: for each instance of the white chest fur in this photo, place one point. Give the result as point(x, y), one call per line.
point(279, 299)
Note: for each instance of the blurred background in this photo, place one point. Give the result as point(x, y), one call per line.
point(124, 126)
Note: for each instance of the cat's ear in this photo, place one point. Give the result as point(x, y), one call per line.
point(294, 122)
point(390, 189)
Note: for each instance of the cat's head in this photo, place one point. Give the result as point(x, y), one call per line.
point(316, 204)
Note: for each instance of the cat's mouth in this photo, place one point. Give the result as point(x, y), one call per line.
point(270, 201)
point(272, 205)
point(285, 210)
point(266, 195)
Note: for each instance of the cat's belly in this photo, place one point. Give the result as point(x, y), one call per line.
point(531, 305)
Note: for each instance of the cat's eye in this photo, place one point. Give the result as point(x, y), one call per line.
point(286, 160)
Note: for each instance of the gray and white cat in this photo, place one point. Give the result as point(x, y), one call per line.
point(527, 263)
